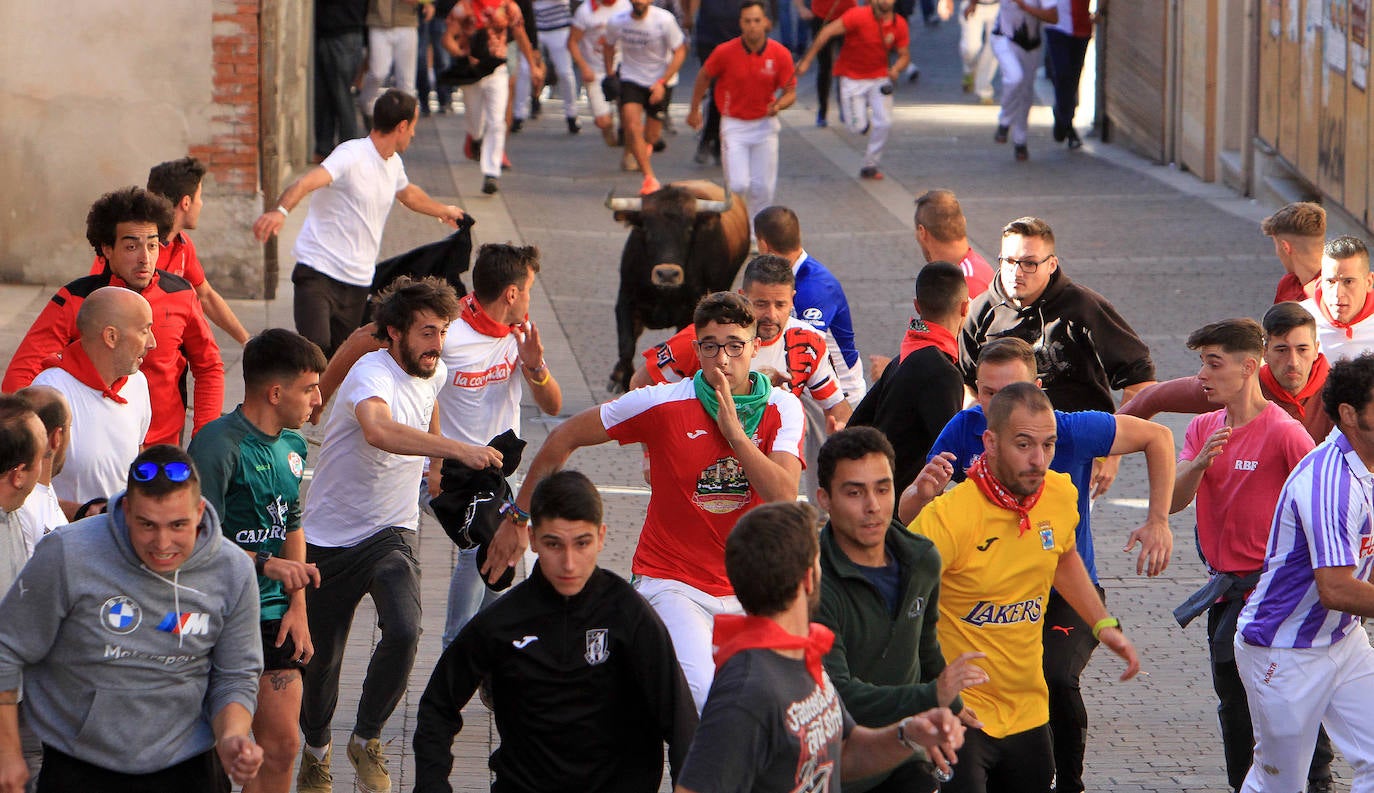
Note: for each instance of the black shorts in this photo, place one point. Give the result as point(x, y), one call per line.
point(1019, 763)
point(636, 94)
point(276, 658)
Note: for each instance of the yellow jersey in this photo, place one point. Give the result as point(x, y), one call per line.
point(994, 585)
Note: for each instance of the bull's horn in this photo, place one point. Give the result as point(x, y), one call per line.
point(719, 207)
point(623, 204)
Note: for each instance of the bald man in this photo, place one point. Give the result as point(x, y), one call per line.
point(108, 395)
point(1343, 300)
point(42, 512)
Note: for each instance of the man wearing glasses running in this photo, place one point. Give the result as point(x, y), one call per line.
point(719, 443)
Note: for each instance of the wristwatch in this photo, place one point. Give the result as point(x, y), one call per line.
point(260, 562)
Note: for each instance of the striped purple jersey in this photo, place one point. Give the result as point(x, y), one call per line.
point(1322, 520)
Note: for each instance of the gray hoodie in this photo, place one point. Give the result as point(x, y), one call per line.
point(123, 667)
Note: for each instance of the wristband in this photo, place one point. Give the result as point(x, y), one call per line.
point(260, 562)
point(905, 741)
point(543, 381)
point(517, 515)
point(1103, 624)
point(283, 210)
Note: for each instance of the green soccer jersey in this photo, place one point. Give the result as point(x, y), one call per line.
point(253, 480)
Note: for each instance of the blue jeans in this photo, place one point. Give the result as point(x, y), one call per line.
point(467, 595)
point(431, 38)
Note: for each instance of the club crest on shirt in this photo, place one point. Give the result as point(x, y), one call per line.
point(1046, 535)
point(121, 614)
point(722, 487)
point(918, 605)
point(598, 649)
point(296, 463)
point(768, 66)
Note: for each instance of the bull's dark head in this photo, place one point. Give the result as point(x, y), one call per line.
point(667, 219)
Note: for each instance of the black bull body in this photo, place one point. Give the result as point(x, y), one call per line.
point(686, 240)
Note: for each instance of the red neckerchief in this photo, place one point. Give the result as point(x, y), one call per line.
point(1315, 380)
point(1348, 327)
point(74, 361)
point(999, 495)
point(736, 633)
point(481, 321)
point(921, 334)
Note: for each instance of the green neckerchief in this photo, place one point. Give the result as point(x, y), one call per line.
point(749, 407)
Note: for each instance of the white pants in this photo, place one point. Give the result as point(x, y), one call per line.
point(1292, 692)
point(1018, 85)
point(690, 615)
point(393, 52)
point(975, 47)
point(555, 43)
point(749, 156)
point(484, 113)
point(858, 98)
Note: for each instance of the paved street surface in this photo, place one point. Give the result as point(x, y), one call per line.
point(1171, 253)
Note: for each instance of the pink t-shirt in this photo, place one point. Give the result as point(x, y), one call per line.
point(1238, 494)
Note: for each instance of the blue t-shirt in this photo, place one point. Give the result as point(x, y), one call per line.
point(1083, 436)
point(820, 302)
point(887, 580)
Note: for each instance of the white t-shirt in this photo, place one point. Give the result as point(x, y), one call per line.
point(592, 22)
point(1019, 26)
point(343, 229)
point(40, 514)
point(106, 435)
point(481, 398)
point(1334, 342)
point(359, 489)
point(646, 45)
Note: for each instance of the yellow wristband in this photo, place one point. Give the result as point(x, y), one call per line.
point(1103, 624)
point(543, 380)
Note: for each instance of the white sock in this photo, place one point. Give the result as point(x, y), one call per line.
point(361, 743)
point(317, 752)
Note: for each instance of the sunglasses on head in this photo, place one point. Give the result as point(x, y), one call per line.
point(175, 471)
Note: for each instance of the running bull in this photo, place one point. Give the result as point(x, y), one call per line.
point(686, 240)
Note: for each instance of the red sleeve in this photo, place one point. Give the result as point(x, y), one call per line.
point(202, 352)
point(1183, 395)
point(903, 37)
point(676, 356)
point(787, 72)
point(54, 329)
point(848, 17)
point(192, 271)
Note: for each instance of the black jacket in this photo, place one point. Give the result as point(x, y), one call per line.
point(585, 691)
point(883, 668)
point(912, 401)
point(1084, 349)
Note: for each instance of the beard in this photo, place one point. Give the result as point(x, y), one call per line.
point(422, 365)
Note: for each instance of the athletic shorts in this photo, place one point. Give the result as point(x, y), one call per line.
point(276, 658)
point(636, 94)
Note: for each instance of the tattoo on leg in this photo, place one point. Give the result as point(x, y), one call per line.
point(281, 678)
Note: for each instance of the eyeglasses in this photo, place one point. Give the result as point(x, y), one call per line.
point(174, 471)
point(709, 349)
point(1027, 266)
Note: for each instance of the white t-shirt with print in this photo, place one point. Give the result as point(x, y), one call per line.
point(359, 489)
point(592, 22)
point(646, 45)
point(343, 229)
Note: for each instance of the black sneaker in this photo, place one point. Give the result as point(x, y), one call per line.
point(535, 107)
point(573, 126)
point(660, 145)
point(516, 125)
point(1060, 132)
point(1022, 153)
point(1001, 134)
point(1075, 142)
point(489, 185)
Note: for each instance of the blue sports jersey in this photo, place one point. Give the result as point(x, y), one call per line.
point(1083, 436)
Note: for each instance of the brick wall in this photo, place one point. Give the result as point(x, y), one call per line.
point(231, 151)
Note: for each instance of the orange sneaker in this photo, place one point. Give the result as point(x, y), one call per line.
point(650, 185)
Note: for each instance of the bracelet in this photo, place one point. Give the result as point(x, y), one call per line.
point(283, 210)
point(517, 515)
point(543, 380)
point(905, 741)
point(1103, 624)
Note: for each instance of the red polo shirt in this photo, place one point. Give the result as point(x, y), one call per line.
point(830, 10)
point(863, 56)
point(747, 82)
